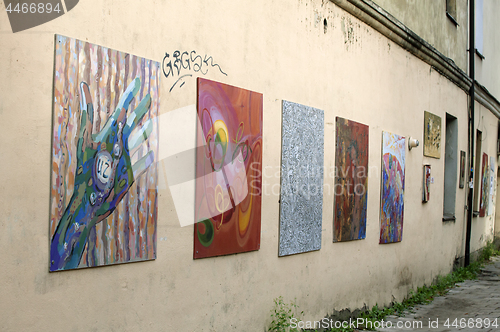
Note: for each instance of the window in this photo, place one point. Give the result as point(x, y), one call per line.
point(450, 167)
point(451, 10)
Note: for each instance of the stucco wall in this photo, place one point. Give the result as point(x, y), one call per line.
point(487, 69)
point(497, 216)
point(427, 18)
point(281, 50)
point(483, 229)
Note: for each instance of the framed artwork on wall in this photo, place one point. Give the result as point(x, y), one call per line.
point(491, 193)
point(432, 135)
point(392, 188)
point(485, 179)
point(351, 180)
point(427, 181)
point(301, 194)
point(228, 191)
point(461, 181)
point(104, 153)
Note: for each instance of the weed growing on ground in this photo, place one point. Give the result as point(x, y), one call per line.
point(282, 314)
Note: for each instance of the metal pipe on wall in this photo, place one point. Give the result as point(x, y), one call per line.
point(472, 132)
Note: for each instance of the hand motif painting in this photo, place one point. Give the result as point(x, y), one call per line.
point(228, 170)
point(104, 177)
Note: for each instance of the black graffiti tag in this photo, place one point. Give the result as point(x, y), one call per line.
point(180, 63)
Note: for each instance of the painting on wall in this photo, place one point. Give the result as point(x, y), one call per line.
point(426, 195)
point(461, 181)
point(351, 180)
point(483, 204)
point(228, 190)
point(393, 187)
point(491, 195)
point(301, 202)
point(104, 153)
point(432, 135)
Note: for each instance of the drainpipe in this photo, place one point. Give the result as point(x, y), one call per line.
point(472, 132)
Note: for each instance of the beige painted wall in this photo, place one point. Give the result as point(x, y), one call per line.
point(427, 18)
point(483, 229)
point(279, 49)
point(487, 69)
point(497, 215)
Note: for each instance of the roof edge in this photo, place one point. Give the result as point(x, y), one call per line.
point(393, 29)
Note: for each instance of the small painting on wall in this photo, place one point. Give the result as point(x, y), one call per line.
point(432, 135)
point(104, 153)
point(485, 178)
point(461, 182)
point(351, 180)
point(491, 194)
point(392, 188)
point(427, 181)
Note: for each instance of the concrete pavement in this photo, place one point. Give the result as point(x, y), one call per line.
point(474, 305)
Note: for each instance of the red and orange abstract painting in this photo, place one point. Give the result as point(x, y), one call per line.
point(351, 180)
point(228, 170)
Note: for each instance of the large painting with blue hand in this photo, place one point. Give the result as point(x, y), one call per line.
point(104, 150)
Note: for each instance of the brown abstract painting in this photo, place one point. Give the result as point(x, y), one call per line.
point(104, 152)
point(228, 170)
point(351, 180)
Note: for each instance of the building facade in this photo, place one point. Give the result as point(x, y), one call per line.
point(382, 64)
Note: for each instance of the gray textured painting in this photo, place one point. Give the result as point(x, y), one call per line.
point(301, 207)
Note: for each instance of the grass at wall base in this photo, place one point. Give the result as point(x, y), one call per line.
point(284, 312)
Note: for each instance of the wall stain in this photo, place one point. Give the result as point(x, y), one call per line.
point(405, 277)
point(347, 28)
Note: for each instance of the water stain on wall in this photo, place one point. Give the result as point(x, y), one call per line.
point(405, 277)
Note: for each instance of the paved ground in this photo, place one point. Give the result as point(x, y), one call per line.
point(473, 305)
